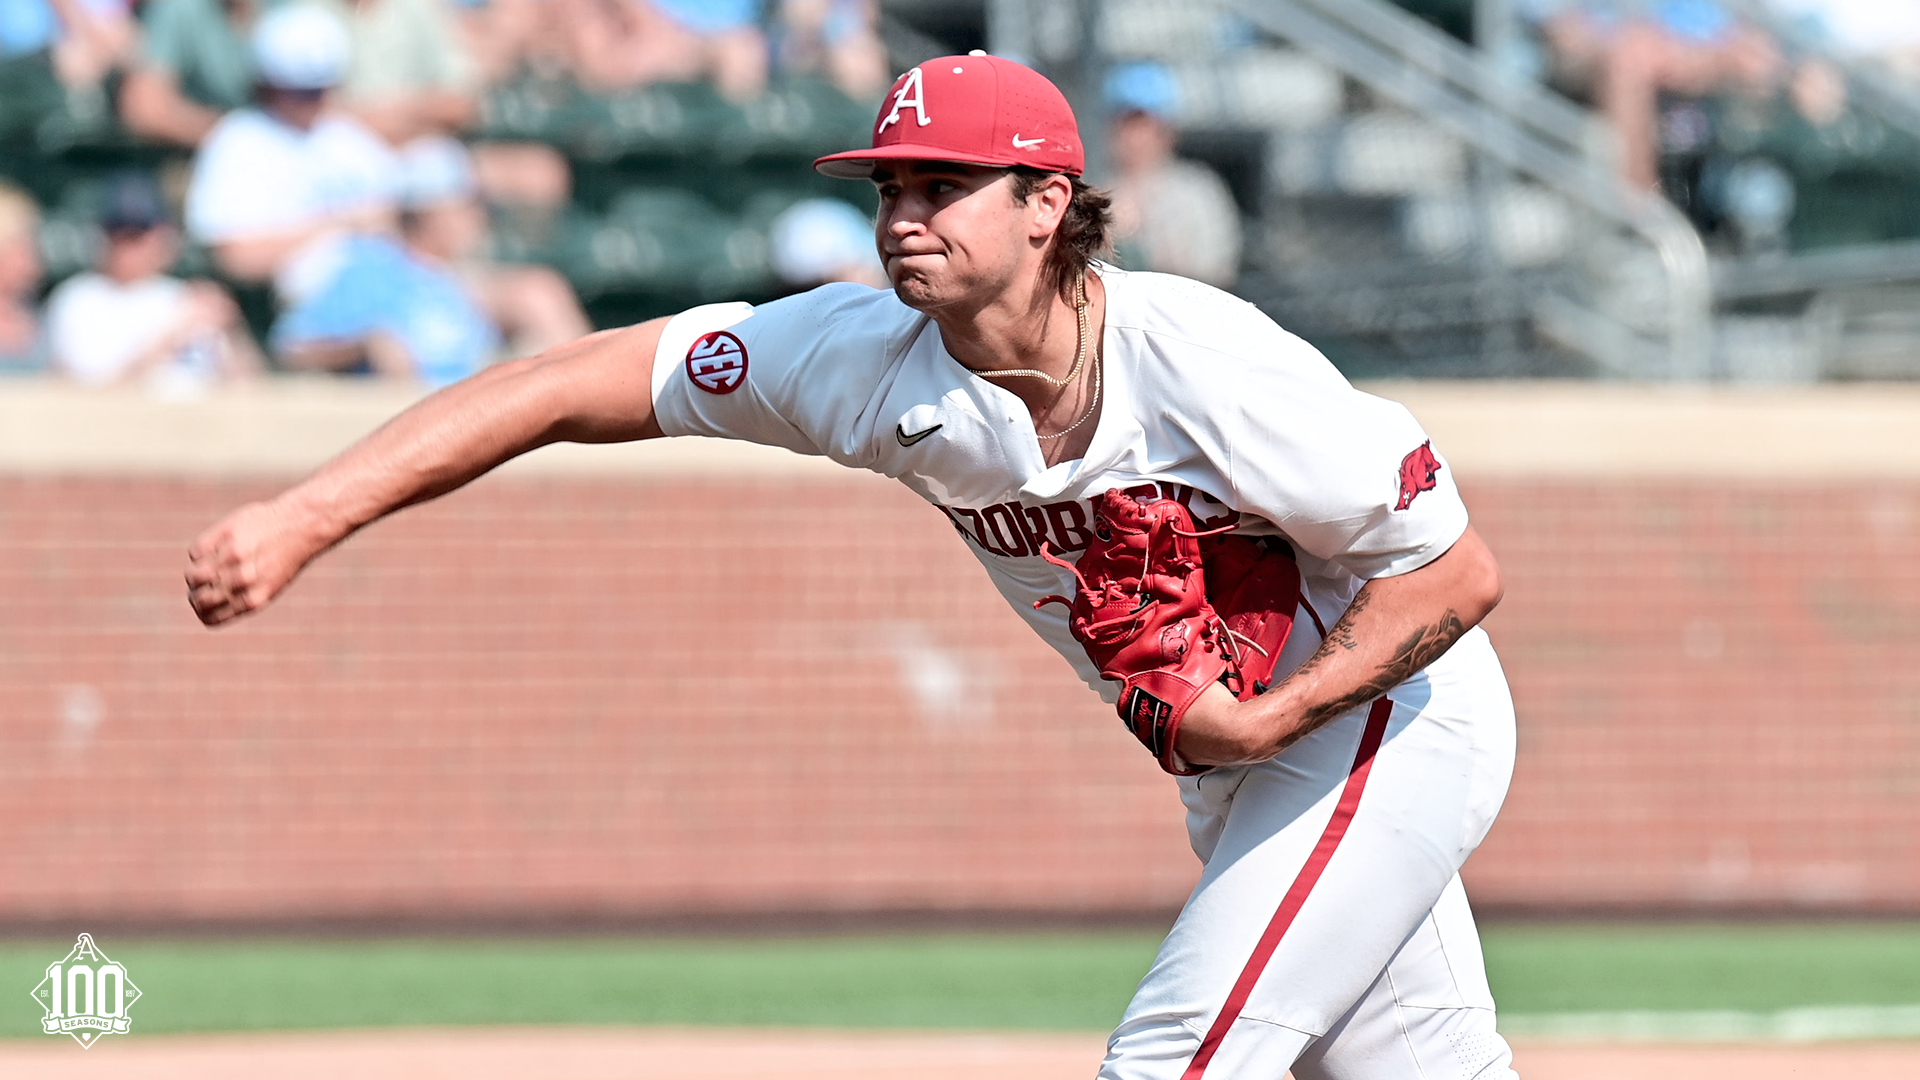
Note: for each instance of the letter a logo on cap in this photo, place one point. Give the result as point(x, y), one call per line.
point(908, 85)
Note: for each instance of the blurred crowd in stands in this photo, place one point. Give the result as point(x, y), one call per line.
point(1738, 118)
point(199, 191)
point(360, 168)
point(331, 156)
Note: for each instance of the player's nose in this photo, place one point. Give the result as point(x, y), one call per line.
point(897, 229)
point(905, 215)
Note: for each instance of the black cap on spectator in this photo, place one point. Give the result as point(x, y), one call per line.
point(132, 202)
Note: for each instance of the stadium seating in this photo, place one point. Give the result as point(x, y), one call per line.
point(675, 186)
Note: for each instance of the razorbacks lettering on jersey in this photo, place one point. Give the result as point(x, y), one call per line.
point(1206, 401)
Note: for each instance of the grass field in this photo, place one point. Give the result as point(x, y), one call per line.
point(995, 981)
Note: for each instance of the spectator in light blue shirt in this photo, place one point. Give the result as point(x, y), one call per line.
point(391, 313)
point(404, 309)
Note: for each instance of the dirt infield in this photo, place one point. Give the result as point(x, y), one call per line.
point(723, 1054)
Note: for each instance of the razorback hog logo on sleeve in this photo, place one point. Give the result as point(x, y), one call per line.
point(717, 362)
point(1417, 472)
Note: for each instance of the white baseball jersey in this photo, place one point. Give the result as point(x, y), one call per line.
point(1206, 401)
point(1328, 933)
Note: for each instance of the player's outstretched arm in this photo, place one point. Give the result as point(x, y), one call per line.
point(1394, 627)
point(596, 389)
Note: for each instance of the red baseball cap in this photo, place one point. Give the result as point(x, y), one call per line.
point(976, 109)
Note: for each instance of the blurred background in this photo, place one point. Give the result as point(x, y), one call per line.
point(1648, 269)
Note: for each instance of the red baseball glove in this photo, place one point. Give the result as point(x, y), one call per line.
point(1254, 585)
point(1142, 612)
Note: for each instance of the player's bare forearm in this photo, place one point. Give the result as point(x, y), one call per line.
point(592, 390)
point(597, 389)
point(1394, 627)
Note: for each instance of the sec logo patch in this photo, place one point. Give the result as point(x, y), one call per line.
point(717, 362)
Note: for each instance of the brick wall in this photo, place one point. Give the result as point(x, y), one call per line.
point(640, 697)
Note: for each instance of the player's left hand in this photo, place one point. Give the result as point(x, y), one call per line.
point(245, 560)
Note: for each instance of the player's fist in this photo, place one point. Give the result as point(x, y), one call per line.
point(242, 562)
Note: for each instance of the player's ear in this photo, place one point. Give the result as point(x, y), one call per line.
point(1048, 206)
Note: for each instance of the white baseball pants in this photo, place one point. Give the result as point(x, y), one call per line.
point(1329, 933)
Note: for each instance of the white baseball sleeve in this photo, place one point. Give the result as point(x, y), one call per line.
point(799, 372)
point(1349, 477)
point(717, 372)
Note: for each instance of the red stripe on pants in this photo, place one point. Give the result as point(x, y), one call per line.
point(1296, 895)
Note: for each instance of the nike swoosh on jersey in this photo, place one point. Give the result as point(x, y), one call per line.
point(1025, 144)
point(900, 432)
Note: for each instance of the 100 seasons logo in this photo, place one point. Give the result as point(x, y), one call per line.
point(86, 995)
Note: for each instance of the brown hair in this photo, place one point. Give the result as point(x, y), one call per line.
point(1082, 235)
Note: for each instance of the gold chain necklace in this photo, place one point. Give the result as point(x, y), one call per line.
point(1091, 406)
point(1080, 346)
point(1081, 350)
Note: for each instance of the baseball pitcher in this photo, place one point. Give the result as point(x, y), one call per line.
point(1269, 573)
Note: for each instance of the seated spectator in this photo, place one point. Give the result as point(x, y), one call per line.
point(835, 38)
point(1626, 56)
point(429, 309)
point(1170, 214)
point(79, 41)
point(507, 37)
point(129, 322)
point(445, 224)
point(397, 315)
point(411, 73)
point(278, 189)
point(620, 44)
point(22, 344)
point(816, 241)
point(413, 77)
point(193, 67)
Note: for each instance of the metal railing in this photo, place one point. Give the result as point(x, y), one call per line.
point(1636, 294)
point(1534, 134)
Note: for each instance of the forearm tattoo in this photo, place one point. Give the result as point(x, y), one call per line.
point(1422, 647)
point(1342, 632)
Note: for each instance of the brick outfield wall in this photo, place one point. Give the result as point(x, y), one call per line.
point(640, 698)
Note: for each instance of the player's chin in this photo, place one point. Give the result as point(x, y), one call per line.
point(914, 289)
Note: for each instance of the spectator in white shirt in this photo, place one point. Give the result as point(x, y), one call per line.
point(278, 190)
point(129, 322)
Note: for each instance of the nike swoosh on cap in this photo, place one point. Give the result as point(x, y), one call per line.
point(900, 433)
point(1025, 144)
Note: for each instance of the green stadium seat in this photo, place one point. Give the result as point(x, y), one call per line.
point(29, 93)
point(768, 204)
point(1853, 179)
point(669, 239)
point(797, 117)
point(537, 236)
point(541, 110)
point(666, 119)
